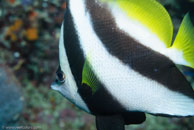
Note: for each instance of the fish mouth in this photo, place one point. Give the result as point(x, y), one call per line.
point(54, 86)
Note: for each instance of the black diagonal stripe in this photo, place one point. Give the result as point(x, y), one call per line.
point(142, 59)
point(101, 102)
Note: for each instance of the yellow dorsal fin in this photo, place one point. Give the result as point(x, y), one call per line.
point(184, 40)
point(151, 14)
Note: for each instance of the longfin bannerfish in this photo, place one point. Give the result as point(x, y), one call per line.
point(118, 57)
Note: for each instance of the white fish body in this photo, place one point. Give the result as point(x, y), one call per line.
point(125, 64)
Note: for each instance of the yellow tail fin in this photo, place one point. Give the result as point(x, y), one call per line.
point(184, 40)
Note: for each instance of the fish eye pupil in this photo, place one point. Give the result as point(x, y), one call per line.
point(60, 77)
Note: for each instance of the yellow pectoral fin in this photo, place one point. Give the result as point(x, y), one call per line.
point(89, 78)
point(184, 41)
point(150, 14)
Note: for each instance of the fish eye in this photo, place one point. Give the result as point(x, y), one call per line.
point(60, 76)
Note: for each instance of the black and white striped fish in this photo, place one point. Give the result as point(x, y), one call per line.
point(117, 57)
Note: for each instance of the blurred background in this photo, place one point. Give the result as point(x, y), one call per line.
point(29, 33)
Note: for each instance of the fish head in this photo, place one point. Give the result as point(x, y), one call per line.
point(63, 85)
point(60, 83)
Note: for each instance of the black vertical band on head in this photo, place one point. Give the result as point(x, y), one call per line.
point(72, 46)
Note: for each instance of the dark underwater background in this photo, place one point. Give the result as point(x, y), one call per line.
point(29, 33)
